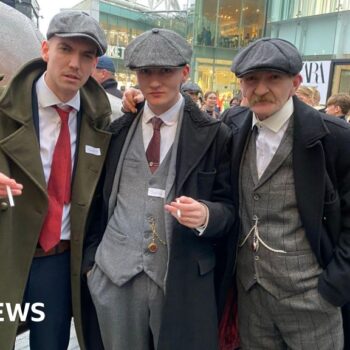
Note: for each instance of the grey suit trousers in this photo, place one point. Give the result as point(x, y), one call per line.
point(302, 322)
point(129, 316)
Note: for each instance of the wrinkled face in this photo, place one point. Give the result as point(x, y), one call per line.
point(161, 86)
point(333, 110)
point(211, 100)
point(268, 91)
point(70, 62)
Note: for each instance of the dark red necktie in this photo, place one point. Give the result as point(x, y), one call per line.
point(59, 185)
point(153, 149)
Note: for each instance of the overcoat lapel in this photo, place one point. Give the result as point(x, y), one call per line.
point(193, 135)
point(18, 146)
point(309, 170)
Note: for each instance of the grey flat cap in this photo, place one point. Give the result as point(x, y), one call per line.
point(268, 54)
point(190, 86)
point(157, 48)
point(70, 24)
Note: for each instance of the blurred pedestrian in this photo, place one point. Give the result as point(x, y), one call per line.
point(193, 90)
point(338, 105)
point(104, 74)
point(210, 104)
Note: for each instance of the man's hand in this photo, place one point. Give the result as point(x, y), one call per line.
point(131, 98)
point(188, 211)
point(16, 188)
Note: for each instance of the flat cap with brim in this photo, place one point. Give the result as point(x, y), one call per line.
point(71, 24)
point(157, 48)
point(190, 86)
point(268, 54)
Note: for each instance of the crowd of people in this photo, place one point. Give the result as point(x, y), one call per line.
point(173, 227)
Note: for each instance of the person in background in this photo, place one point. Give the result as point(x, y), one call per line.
point(339, 106)
point(166, 203)
point(193, 90)
point(104, 74)
point(236, 100)
point(52, 150)
point(209, 104)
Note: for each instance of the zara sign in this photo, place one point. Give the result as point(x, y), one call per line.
point(316, 73)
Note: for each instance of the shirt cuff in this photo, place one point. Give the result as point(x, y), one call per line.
point(200, 230)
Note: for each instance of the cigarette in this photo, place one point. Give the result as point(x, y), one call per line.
point(9, 194)
point(178, 211)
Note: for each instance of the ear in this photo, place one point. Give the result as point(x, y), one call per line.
point(337, 109)
point(185, 73)
point(297, 80)
point(241, 87)
point(45, 50)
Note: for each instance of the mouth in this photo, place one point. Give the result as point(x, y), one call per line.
point(72, 77)
point(156, 94)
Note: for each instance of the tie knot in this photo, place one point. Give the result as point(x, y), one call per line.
point(156, 123)
point(63, 113)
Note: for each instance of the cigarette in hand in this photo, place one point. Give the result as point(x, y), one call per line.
point(178, 212)
point(9, 195)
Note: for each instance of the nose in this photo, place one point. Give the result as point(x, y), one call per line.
point(261, 88)
point(74, 61)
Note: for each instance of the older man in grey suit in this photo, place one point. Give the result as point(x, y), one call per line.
point(293, 191)
point(167, 200)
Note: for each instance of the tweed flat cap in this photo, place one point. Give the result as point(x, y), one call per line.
point(157, 48)
point(190, 86)
point(70, 24)
point(268, 54)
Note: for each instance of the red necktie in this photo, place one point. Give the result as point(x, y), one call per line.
point(153, 149)
point(59, 185)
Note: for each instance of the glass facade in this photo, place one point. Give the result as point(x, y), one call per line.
point(319, 28)
point(220, 28)
point(216, 29)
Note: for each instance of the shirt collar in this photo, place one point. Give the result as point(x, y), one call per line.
point(276, 121)
point(169, 117)
point(47, 98)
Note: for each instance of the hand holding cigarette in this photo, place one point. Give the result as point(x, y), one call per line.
point(9, 188)
point(188, 211)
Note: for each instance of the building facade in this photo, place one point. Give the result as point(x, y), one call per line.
point(320, 29)
point(218, 29)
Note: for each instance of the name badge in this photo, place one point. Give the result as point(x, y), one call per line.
point(92, 150)
point(156, 192)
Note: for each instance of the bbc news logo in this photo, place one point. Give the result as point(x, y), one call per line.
point(12, 311)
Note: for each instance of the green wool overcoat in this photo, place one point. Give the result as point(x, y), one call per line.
point(20, 159)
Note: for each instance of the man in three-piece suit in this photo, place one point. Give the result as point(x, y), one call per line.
point(52, 145)
point(291, 170)
point(166, 200)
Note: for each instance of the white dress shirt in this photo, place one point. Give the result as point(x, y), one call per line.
point(168, 129)
point(270, 134)
point(49, 129)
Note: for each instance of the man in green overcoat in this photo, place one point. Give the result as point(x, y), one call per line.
point(52, 149)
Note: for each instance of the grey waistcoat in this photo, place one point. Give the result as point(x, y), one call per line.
point(272, 200)
point(123, 252)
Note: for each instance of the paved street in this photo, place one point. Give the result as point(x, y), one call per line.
point(22, 342)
